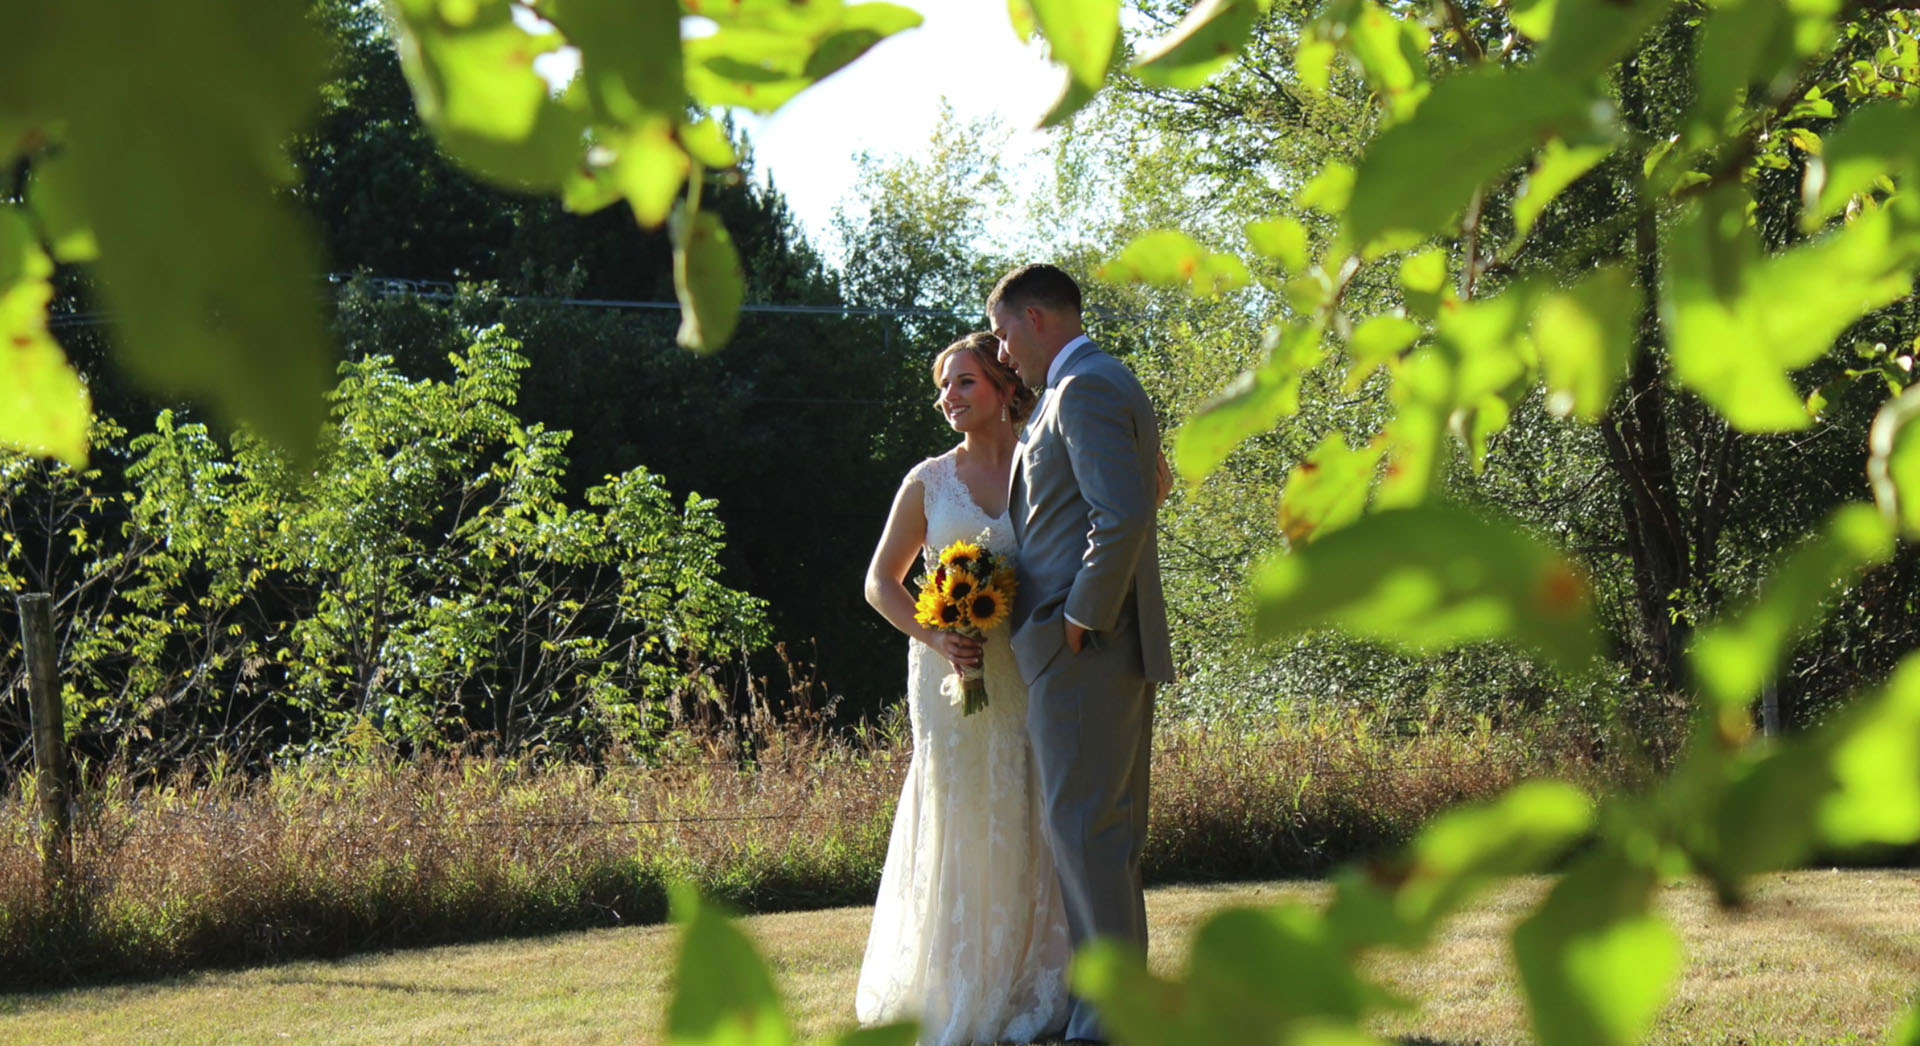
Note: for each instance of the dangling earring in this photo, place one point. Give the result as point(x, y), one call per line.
point(1004, 414)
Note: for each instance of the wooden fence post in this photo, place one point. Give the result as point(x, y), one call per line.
point(49, 731)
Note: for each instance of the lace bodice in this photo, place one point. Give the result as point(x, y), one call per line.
point(952, 514)
point(969, 934)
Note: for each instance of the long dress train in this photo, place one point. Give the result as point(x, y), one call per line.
point(969, 935)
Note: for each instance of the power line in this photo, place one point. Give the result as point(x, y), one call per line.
point(441, 290)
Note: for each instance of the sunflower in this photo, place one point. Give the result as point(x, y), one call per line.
point(1004, 580)
point(949, 615)
point(960, 585)
point(960, 555)
point(927, 609)
point(989, 607)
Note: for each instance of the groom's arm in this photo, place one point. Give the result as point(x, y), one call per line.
point(1103, 444)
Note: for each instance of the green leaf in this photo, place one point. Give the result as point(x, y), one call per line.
point(1763, 817)
point(1739, 325)
point(1893, 461)
point(1476, 425)
point(206, 265)
point(474, 84)
point(1559, 166)
point(1876, 765)
point(1082, 34)
point(1597, 966)
point(862, 26)
point(1590, 35)
point(1139, 1006)
point(1854, 782)
point(629, 55)
point(1733, 659)
point(904, 1034)
point(1167, 258)
point(44, 406)
point(1204, 43)
point(1533, 18)
point(1252, 405)
point(1020, 14)
point(1313, 59)
point(761, 58)
point(1585, 338)
point(1403, 900)
point(1484, 340)
point(1255, 969)
point(650, 168)
point(1418, 174)
point(1255, 975)
point(62, 220)
point(1392, 53)
point(1907, 1031)
point(1377, 341)
point(1424, 278)
point(1423, 397)
point(707, 279)
point(1746, 44)
point(1282, 239)
point(1329, 191)
point(723, 992)
point(1329, 489)
point(1875, 142)
point(706, 141)
point(1074, 95)
point(1431, 578)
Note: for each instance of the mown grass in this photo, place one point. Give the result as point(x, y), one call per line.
point(216, 869)
point(1817, 957)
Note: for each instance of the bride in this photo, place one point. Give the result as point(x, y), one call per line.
point(969, 935)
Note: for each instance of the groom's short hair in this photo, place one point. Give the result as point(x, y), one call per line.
point(1047, 286)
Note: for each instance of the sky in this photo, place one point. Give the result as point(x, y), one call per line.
point(888, 101)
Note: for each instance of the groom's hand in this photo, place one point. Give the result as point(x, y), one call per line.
point(1076, 638)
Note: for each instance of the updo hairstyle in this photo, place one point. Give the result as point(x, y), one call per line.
point(986, 352)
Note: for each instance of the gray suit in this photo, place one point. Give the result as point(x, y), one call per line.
point(1083, 508)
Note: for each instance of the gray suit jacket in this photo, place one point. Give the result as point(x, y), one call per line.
point(1083, 507)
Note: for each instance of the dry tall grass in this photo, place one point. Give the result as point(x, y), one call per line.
point(216, 868)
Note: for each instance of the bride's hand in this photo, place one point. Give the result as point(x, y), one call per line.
point(960, 651)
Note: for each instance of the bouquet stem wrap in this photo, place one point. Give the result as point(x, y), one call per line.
point(967, 687)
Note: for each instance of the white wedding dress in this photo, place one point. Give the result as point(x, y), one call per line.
point(969, 935)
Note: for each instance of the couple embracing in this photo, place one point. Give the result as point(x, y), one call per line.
point(1019, 832)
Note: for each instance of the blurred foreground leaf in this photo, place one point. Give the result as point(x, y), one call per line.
point(44, 407)
point(723, 994)
point(1596, 963)
point(708, 280)
point(204, 263)
point(1253, 404)
point(1403, 900)
point(1204, 43)
point(1430, 578)
point(1174, 259)
point(1735, 657)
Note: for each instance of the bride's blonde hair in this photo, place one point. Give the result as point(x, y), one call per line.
point(986, 352)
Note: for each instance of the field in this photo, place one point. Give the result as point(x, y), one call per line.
point(1818, 957)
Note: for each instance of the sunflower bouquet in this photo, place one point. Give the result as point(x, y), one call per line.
point(969, 591)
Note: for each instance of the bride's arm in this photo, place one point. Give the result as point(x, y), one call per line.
point(899, 547)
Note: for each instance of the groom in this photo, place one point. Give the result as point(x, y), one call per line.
point(1089, 622)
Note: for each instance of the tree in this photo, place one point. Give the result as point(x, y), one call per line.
point(426, 579)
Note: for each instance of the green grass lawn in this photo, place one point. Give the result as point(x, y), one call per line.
point(1818, 957)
